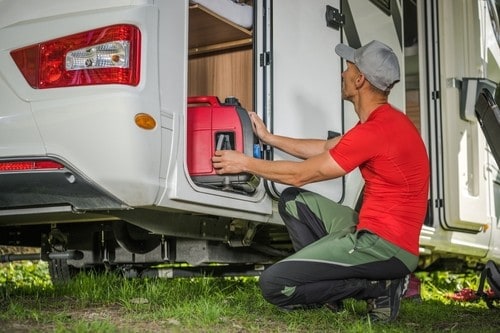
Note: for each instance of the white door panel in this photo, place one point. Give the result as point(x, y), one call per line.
point(306, 77)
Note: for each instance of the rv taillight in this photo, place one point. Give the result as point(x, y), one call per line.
point(109, 55)
point(6, 166)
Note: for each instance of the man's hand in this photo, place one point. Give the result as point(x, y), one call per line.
point(259, 128)
point(229, 162)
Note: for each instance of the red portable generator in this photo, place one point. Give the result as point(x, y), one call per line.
point(211, 126)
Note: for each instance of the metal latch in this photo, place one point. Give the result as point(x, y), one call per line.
point(265, 59)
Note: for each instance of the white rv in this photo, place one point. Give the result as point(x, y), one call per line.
point(110, 111)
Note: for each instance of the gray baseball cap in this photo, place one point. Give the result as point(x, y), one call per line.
point(378, 63)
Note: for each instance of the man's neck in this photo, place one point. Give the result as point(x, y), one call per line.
point(368, 103)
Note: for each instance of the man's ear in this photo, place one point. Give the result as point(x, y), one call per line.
point(360, 80)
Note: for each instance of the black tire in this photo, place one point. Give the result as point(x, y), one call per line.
point(60, 272)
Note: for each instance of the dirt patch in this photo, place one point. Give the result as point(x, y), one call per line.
point(112, 315)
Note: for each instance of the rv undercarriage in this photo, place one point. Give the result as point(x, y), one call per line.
point(233, 248)
point(199, 245)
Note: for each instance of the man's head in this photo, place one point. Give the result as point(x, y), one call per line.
point(375, 60)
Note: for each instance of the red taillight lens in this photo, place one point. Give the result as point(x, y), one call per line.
point(109, 55)
point(30, 165)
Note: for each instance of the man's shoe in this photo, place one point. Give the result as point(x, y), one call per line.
point(386, 308)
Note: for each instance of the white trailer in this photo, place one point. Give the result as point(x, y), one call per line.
point(94, 139)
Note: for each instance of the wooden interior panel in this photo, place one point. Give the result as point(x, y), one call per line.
point(210, 32)
point(222, 75)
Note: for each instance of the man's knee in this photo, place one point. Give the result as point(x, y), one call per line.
point(272, 287)
point(268, 286)
point(288, 194)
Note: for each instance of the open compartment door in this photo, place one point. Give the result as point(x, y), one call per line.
point(301, 95)
point(208, 57)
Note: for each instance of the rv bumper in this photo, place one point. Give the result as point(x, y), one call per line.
point(52, 187)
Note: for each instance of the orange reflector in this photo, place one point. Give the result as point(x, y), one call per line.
point(144, 120)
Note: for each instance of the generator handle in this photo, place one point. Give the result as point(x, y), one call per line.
point(212, 100)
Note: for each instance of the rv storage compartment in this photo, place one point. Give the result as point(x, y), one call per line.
point(211, 126)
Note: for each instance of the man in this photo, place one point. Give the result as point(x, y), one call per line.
point(338, 253)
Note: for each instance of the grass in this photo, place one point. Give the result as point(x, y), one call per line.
point(110, 303)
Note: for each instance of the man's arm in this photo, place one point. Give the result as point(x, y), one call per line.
point(314, 169)
point(301, 148)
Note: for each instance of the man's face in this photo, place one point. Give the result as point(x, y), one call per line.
point(349, 77)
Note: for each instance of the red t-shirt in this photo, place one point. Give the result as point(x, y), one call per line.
point(393, 161)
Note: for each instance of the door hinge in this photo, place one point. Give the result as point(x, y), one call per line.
point(436, 94)
point(438, 203)
point(334, 18)
point(265, 59)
